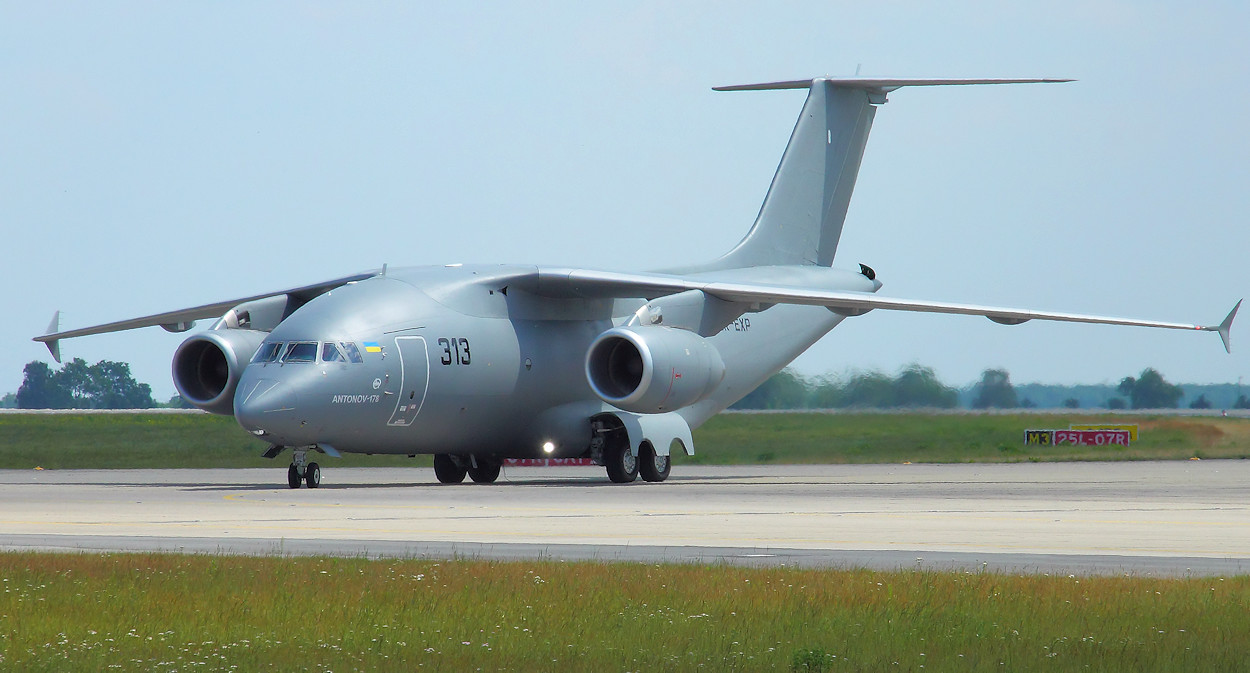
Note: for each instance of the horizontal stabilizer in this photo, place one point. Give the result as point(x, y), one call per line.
point(880, 85)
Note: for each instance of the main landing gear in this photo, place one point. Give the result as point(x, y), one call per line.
point(623, 466)
point(302, 471)
point(621, 462)
point(451, 469)
point(651, 466)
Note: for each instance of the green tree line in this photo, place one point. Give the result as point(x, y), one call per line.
point(916, 386)
point(109, 385)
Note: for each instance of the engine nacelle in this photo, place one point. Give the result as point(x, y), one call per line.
point(208, 365)
point(651, 369)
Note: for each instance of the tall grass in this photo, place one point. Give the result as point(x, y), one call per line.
point(175, 613)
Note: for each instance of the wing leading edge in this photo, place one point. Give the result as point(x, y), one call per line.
point(597, 284)
point(182, 319)
point(584, 283)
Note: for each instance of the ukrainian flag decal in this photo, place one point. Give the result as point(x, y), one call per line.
point(372, 347)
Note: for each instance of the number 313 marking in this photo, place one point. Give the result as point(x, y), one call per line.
point(455, 350)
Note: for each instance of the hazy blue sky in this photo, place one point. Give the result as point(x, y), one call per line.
point(161, 155)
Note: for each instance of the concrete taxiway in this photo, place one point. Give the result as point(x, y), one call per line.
point(1158, 518)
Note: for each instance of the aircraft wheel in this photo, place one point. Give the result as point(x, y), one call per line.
point(621, 463)
point(486, 472)
point(312, 475)
point(448, 470)
point(292, 476)
point(651, 466)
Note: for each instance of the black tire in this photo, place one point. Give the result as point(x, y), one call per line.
point(486, 472)
point(621, 463)
point(447, 470)
point(651, 466)
point(292, 476)
point(312, 475)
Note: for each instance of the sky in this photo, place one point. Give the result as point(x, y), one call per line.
point(159, 155)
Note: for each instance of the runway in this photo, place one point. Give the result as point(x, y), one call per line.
point(1156, 518)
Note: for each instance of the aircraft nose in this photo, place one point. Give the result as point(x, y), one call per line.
point(267, 408)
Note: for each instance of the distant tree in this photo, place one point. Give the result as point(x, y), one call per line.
point(1200, 403)
point(784, 390)
point(1116, 403)
point(112, 387)
point(873, 390)
point(1026, 403)
point(994, 391)
point(176, 402)
point(40, 389)
point(1126, 386)
point(1242, 402)
point(1072, 403)
point(75, 380)
point(918, 386)
point(9, 401)
point(104, 385)
point(826, 393)
point(1150, 391)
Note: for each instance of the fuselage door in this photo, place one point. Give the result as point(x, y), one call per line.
point(414, 378)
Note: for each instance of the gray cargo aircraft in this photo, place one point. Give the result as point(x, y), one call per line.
point(476, 364)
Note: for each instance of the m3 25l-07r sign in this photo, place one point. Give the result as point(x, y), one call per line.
point(1077, 437)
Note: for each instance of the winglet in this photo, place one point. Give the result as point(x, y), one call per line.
point(1227, 325)
point(54, 345)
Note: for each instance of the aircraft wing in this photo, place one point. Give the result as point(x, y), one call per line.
point(598, 284)
point(182, 319)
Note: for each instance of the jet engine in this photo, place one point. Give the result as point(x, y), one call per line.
point(652, 369)
point(208, 365)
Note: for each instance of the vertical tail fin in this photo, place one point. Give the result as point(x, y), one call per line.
point(801, 219)
point(802, 216)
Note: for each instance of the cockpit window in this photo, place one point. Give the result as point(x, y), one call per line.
point(353, 353)
point(268, 352)
point(331, 353)
point(300, 351)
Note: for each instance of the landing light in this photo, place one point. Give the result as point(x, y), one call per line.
point(549, 447)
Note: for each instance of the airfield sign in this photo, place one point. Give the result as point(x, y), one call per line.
point(1077, 437)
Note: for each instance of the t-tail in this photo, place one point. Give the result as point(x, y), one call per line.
point(803, 213)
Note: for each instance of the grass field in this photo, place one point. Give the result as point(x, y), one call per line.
point(176, 613)
point(151, 612)
point(953, 438)
point(64, 441)
point(80, 441)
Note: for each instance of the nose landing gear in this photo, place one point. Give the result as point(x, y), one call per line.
point(302, 471)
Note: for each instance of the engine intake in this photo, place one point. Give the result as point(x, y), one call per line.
point(651, 369)
point(208, 365)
